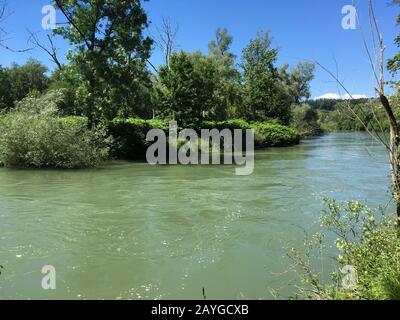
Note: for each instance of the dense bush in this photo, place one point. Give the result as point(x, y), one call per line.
point(31, 136)
point(16, 82)
point(366, 241)
point(363, 115)
point(269, 134)
point(229, 124)
point(265, 95)
point(130, 136)
point(305, 120)
point(188, 85)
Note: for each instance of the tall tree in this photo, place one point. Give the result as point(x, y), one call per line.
point(265, 95)
point(166, 40)
point(219, 48)
point(50, 48)
point(227, 92)
point(30, 77)
point(6, 97)
point(394, 63)
point(298, 80)
point(187, 88)
point(109, 53)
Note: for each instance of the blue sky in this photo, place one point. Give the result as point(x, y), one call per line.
point(302, 29)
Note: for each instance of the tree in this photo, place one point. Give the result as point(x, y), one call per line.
point(187, 88)
point(227, 92)
point(6, 98)
point(27, 78)
point(109, 54)
point(298, 80)
point(394, 63)
point(265, 96)
point(166, 41)
point(50, 49)
point(219, 49)
point(305, 120)
point(376, 130)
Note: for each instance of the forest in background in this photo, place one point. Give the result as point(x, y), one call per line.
point(109, 91)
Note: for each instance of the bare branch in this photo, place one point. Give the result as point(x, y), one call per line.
point(3, 16)
point(340, 83)
point(166, 40)
point(51, 49)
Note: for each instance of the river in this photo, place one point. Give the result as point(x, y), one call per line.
point(133, 231)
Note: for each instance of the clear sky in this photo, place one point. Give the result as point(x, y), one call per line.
point(302, 29)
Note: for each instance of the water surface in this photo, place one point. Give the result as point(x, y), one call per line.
point(132, 231)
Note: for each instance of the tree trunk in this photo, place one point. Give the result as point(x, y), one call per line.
point(394, 152)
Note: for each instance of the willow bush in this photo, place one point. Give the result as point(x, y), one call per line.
point(34, 135)
point(367, 240)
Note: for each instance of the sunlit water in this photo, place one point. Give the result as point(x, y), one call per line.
point(132, 231)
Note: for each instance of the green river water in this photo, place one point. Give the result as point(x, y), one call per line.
point(133, 231)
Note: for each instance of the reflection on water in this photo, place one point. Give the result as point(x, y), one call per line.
point(131, 231)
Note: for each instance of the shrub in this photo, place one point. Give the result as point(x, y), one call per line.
point(305, 120)
point(267, 134)
point(130, 136)
point(131, 144)
point(229, 124)
point(33, 135)
point(367, 242)
point(274, 135)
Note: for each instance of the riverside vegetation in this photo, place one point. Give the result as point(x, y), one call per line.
point(123, 97)
point(367, 240)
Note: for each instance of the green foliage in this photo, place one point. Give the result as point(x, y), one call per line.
point(356, 115)
point(394, 63)
point(67, 81)
point(111, 64)
point(305, 120)
point(187, 92)
point(298, 80)
point(130, 136)
point(219, 49)
point(265, 96)
point(266, 134)
point(33, 135)
point(227, 93)
point(6, 97)
point(229, 124)
point(269, 134)
point(27, 78)
point(18, 81)
point(366, 241)
point(44, 105)
point(194, 87)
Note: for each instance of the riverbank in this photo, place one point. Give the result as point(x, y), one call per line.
point(31, 137)
point(131, 144)
point(368, 258)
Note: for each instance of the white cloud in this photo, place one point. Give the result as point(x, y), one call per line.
point(335, 96)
